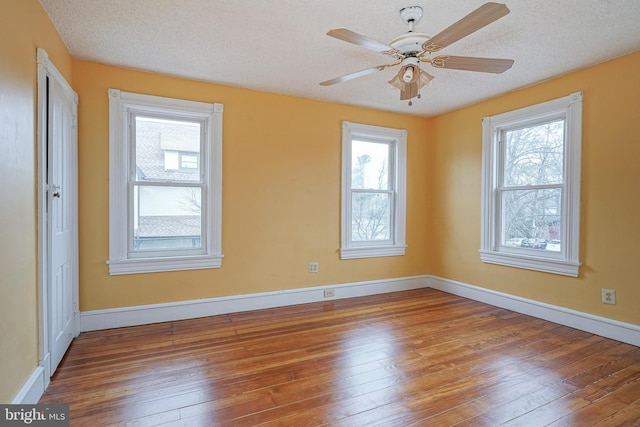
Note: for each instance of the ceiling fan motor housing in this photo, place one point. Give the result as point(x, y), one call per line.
point(409, 43)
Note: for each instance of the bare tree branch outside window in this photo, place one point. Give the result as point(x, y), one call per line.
point(371, 198)
point(532, 181)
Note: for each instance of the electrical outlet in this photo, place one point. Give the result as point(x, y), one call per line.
point(608, 296)
point(329, 293)
point(313, 267)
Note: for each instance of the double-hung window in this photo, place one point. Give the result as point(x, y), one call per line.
point(165, 184)
point(531, 187)
point(373, 191)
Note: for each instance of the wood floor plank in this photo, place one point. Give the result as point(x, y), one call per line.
point(627, 416)
point(419, 357)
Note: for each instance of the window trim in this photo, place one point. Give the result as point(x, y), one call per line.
point(120, 104)
point(397, 138)
point(567, 261)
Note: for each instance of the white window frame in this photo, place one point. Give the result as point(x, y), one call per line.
point(397, 139)
point(566, 262)
point(121, 106)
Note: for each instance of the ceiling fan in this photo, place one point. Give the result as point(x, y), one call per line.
point(411, 49)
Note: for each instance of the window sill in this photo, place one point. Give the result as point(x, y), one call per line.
point(555, 266)
point(156, 265)
point(371, 252)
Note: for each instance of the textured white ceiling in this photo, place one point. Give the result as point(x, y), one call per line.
point(281, 46)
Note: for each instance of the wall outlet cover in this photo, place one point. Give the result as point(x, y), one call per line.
point(608, 296)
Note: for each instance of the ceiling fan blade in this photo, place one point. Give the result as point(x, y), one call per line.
point(356, 74)
point(408, 91)
point(469, 63)
point(481, 17)
point(360, 40)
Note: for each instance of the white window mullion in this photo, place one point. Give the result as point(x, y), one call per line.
point(531, 187)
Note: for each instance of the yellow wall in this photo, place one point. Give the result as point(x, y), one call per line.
point(610, 215)
point(281, 193)
point(23, 27)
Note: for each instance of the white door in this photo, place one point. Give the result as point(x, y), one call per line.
point(61, 254)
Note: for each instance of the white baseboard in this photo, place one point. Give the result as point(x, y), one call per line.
point(602, 326)
point(93, 320)
point(32, 389)
point(154, 313)
point(144, 314)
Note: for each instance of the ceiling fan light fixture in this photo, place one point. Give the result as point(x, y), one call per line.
point(407, 77)
point(398, 81)
point(410, 79)
point(410, 72)
point(425, 79)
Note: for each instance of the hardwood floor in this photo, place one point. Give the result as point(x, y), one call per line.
point(413, 358)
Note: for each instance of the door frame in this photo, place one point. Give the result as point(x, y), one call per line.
point(46, 69)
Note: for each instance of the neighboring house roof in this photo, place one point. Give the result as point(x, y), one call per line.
point(153, 139)
point(181, 138)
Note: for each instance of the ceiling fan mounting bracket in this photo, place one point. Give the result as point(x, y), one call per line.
point(411, 15)
point(410, 43)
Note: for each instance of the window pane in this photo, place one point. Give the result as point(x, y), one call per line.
point(369, 165)
point(531, 218)
point(534, 155)
point(371, 216)
point(167, 150)
point(166, 218)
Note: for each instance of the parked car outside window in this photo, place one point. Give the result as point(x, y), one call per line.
point(534, 243)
